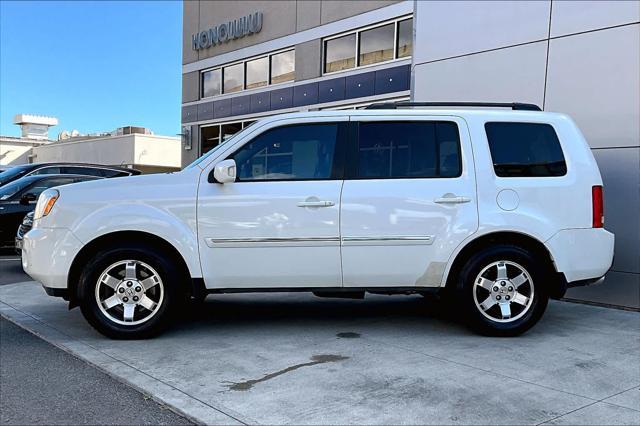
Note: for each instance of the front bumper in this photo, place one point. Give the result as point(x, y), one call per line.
point(47, 254)
point(582, 255)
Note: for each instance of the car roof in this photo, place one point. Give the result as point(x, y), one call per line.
point(61, 175)
point(488, 113)
point(98, 166)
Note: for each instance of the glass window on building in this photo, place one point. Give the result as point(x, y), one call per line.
point(233, 78)
point(211, 83)
point(405, 38)
point(376, 45)
point(209, 137)
point(257, 73)
point(283, 67)
point(340, 53)
point(229, 130)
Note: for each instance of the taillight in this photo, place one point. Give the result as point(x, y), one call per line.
point(598, 206)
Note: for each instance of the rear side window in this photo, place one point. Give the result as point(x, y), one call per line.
point(525, 150)
point(47, 171)
point(413, 149)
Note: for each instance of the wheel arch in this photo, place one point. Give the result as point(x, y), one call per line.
point(117, 238)
point(557, 284)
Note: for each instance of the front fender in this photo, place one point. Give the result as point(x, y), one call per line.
point(177, 229)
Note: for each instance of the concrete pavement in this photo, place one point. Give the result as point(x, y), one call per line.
point(294, 358)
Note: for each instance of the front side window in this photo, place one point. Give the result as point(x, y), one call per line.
point(426, 149)
point(283, 67)
point(37, 188)
point(525, 150)
point(233, 78)
point(298, 152)
point(211, 83)
point(376, 45)
point(340, 53)
point(257, 73)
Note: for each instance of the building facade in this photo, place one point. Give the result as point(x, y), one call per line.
point(243, 60)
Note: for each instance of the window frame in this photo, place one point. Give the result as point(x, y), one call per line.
point(353, 162)
point(339, 154)
point(555, 131)
point(394, 21)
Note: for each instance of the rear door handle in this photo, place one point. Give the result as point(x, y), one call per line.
point(452, 200)
point(316, 204)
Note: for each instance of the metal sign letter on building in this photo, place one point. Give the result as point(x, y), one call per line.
point(223, 33)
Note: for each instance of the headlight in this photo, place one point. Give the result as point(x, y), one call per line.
point(45, 203)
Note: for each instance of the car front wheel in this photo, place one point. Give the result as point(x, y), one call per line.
point(129, 292)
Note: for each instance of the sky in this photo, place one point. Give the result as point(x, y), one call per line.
point(95, 65)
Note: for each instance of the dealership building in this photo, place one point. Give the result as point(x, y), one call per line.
point(243, 60)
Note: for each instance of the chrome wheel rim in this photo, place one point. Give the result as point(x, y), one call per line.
point(129, 292)
point(503, 291)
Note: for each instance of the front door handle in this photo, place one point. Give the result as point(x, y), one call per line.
point(314, 202)
point(452, 199)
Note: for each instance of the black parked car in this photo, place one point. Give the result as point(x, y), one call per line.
point(19, 198)
point(17, 172)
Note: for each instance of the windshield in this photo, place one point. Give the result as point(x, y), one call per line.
point(12, 188)
point(13, 174)
point(217, 147)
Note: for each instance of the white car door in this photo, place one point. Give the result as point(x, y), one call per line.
point(409, 198)
point(277, 225)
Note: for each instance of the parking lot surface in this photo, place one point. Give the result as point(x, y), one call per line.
point(54, 387)
point(294, 358)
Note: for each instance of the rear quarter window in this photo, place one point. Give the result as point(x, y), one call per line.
point(525, 149)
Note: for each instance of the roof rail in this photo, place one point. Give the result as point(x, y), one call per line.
point(516, 106)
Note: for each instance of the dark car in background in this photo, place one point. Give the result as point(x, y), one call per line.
point(98, 170)
point(19, 197)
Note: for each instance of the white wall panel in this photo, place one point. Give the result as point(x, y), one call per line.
point(620, 169)
point(451, 28)
point(569, 17)
point(595, 77)
point(505, 75)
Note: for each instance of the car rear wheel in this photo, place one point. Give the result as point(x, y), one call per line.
point(503, 290)
point(130, 292)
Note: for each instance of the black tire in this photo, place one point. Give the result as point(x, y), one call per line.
point(172, 282)
point(466, 289)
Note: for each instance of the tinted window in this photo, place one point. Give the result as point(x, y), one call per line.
point(405, 38)
point(376, 45)
point(233, 78)
point(112, 173)
point(74, 170)
point(257, 73)
point(289, 153)
point(283, 67)
point(211, 82)
point(525, 150)
point(426, 149)
point(43, 184)
point(47, 171)
point(340, 53)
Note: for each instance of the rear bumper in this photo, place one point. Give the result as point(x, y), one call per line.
point(582, 255)
point(47, 254)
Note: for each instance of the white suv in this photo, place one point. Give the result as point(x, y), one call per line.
point(496, 209)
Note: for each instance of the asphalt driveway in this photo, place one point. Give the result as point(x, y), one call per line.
point(294, 358)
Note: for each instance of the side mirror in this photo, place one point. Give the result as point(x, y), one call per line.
point(28, 198)
point(225, 171)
